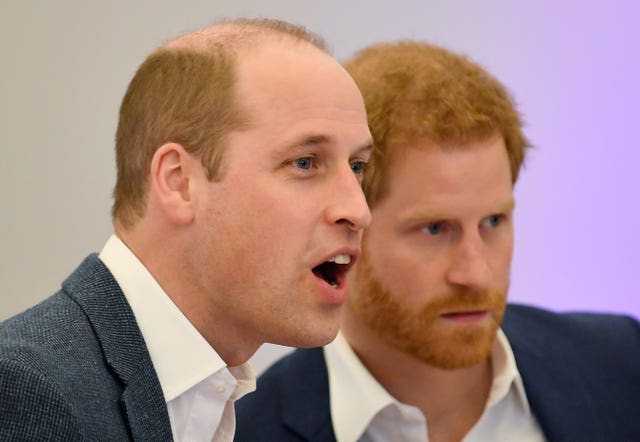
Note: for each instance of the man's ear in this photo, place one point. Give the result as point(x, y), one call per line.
point(172, 182)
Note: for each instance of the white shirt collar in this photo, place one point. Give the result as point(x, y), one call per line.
point(505, 374)
point(361, 397)
point(180, 355)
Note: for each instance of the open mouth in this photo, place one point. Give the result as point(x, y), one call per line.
point(333, 271)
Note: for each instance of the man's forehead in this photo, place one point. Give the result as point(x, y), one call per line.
point(410, 151)
point(299, 78)
point(265, 58)
point(435, 173)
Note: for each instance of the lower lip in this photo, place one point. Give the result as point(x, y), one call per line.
point(465, 318)
point(331, 295)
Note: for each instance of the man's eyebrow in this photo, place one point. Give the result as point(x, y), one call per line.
point(366, 147)
point(425, 214)
point(311, 140)
point(508, 206)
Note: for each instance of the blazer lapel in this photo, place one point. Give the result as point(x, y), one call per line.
point(148, 416)
point(93, 287)
point(305, 396)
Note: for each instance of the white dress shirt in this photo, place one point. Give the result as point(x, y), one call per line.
point(362, 410)
point(197, 385)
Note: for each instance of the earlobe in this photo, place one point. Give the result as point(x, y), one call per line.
point(171, 182)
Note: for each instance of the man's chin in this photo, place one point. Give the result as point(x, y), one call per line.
point(459, 360)
point(454, 352)
point(314, 335)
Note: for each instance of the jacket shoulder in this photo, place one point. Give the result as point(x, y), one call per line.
point(581, 371)
point(32, 406)
point(581, 331)
point(37, 349)
point(54, 369)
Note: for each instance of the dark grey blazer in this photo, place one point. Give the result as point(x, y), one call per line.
point(581, 373)
point(76, 367)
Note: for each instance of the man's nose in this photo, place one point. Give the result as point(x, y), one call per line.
point(470, 265)
point(349, 206)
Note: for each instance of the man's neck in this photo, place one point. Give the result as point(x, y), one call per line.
point(230, 340)
point(452, 401)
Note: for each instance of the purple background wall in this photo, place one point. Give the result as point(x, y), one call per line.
point(575, 72)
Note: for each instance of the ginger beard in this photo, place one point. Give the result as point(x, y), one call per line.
point(420, 332)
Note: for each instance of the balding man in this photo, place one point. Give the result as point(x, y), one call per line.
point(238, 212)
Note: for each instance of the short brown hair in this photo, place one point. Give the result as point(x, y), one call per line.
point(413, 90)
point(184, 93)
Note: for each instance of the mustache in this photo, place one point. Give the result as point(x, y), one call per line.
point(463, 300)
point(454, 301)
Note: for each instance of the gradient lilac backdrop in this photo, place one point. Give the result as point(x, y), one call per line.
point(573, 67)
point(578, 219)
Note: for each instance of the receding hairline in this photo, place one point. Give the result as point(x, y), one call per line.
point(244, 34)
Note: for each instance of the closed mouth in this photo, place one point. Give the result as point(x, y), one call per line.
point(473, 314)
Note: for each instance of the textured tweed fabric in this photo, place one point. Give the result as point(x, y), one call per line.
point(75, 367)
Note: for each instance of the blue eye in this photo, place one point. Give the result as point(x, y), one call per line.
point(359, 167)
point(433, 228)
point(492, 221)
point(303, 163)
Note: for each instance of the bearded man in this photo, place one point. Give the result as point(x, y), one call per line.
point(429, 349)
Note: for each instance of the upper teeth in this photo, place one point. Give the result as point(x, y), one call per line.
point(340, 259)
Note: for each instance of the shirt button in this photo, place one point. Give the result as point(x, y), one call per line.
point(219, 388)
